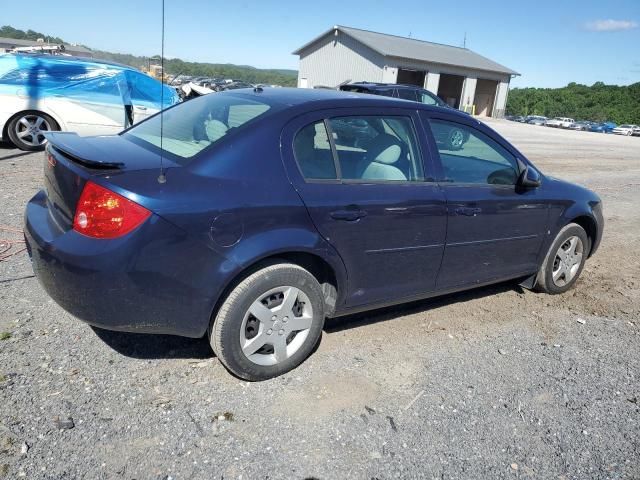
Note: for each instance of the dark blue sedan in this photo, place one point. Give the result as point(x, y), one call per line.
point(250, 216)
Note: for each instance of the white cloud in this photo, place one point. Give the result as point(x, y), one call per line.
point(610, 25)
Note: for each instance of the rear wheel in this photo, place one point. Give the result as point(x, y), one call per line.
point(26, 130)
point(564, 261)
point(270, 323)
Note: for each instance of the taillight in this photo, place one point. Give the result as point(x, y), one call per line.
point(102, 213)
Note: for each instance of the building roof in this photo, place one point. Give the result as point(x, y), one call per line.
point(18, 42)
point(414, 49)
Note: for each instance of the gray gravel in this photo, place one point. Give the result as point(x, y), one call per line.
point(495, 383)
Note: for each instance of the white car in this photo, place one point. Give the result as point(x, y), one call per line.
point(559, 122)
point(625, 129)
point(41, 93)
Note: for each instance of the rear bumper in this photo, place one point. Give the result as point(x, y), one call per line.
point(153, 280)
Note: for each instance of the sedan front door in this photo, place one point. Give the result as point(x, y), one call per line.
point(495, 228)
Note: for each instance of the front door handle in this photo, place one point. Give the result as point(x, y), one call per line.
point(348, 214)
point(468, 211)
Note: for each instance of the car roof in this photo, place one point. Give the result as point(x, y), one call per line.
point(317, 99)
point(374, 85)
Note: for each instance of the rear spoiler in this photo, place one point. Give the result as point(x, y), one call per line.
point(80, 150)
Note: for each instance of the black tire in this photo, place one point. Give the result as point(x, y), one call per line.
point(13, 126)
point(545, 282)
point(225, 332)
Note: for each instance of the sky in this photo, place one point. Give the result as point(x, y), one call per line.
point(551, 43)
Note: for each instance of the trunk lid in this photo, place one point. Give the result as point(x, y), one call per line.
point(71, 160)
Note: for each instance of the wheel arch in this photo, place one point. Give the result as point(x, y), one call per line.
point(590, 227)
point(330, 274)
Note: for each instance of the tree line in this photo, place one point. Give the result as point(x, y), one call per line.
point(598, 102)
point(175, 66)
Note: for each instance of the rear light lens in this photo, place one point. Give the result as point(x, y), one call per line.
point(102, 213)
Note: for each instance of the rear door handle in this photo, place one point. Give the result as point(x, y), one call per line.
point(140, 107)
point(468, 211)
point(348, 214)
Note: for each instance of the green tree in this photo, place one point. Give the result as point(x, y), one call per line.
point(599, 102)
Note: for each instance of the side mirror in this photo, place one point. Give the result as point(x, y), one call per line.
point(529, 177)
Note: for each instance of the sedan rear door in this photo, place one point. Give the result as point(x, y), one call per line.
point(361, 175)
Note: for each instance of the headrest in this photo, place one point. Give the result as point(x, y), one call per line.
point(384, 148)
point(215, 129)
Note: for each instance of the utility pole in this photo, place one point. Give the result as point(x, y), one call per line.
point(464, 42)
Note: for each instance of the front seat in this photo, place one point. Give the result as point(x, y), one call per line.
point(383, 152)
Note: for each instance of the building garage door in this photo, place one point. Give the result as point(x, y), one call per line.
point(485, 97)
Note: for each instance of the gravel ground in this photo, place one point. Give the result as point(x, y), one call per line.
point(494, 383)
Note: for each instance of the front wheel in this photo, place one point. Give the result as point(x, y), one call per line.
point(26, 130)
point(564, 261)
point(270, 322)
point(455, 139)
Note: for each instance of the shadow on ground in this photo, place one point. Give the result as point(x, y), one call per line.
point(150, 346)
point(389, 313)
point(8, 151)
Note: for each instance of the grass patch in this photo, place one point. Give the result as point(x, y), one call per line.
point(5, 335)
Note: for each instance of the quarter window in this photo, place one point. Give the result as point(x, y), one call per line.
point(313, 153)
point(470, 156)
point(426, 99)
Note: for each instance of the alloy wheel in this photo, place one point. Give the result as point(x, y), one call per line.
point(567, 261)
point(30, 129)
point(457, 138)
point(276, 325)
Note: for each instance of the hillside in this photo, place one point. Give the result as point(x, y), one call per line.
point(599, 102)
point(175, 66)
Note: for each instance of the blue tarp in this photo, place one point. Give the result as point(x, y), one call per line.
point(40, 76)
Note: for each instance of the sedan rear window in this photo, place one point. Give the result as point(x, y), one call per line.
point(197, 124)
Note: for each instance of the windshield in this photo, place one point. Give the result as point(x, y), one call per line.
point(193, 126)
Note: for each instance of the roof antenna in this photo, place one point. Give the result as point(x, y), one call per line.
point(162, 178)
point(464, 42)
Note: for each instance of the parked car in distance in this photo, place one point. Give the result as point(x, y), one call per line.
point(582, 125)
point(636, 132)
point(268, 222)
point(604, 127)
point(536, 120)
point(42, 93)
point(453, 138)
point(406, 92)
point(626, 129)
point(559, 122)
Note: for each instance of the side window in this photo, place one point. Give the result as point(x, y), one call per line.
point(313, 152)
point(426, 98)
point(407, 94)
point(377, 148)
point(470, 156)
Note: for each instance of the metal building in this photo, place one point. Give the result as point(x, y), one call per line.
point(462, 78)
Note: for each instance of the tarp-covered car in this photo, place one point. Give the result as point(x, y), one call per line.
point(40, 93)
